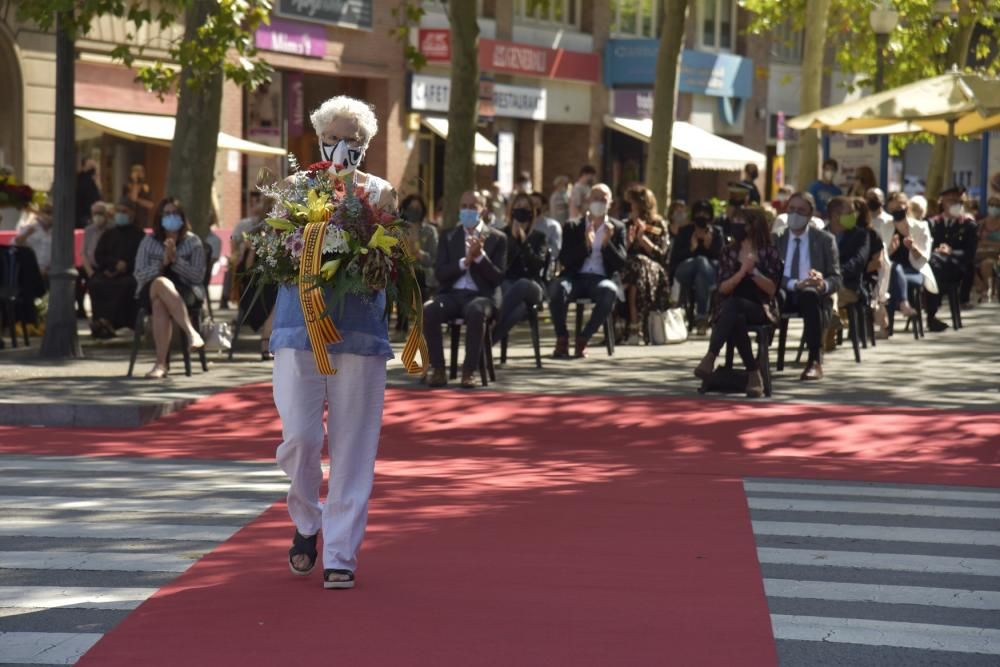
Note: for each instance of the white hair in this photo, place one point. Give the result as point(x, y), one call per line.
point(919, 202)
point(343, 106)
point(603, 187)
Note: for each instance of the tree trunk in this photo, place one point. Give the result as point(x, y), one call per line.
point(958, 55)
point(659, 163)
point(811, 94)
point(196, 133)
point(463, 108)
point(60, 340)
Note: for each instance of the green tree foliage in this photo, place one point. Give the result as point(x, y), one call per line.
point(927, 41)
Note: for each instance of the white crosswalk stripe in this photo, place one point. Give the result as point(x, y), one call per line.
point(879, 573)
point(85, 540)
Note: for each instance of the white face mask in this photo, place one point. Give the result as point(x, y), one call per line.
point(346, 158)
point(955, 210)
point(797, 222)
point(598, 208)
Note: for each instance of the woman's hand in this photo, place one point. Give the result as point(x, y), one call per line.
point(748, 265)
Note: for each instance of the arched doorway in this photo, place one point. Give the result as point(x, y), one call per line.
point(12, 111)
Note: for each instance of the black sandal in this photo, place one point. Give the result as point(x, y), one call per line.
point(302, 546)
point(345, 583)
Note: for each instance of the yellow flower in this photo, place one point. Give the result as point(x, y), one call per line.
point(316, 207)
point(329, 269)
point(381, 240)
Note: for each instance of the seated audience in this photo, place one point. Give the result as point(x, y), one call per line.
point(677, 217)
point(98, 220)
point(988, 251)
point(35, 232)
point(811, 276)
point(552, 228)
point(559, 200)
point(909, 251)
point(953, 261)
point(749, 271)
point(645, 276)
point(169, 270)
point(471, 261)
point(849, 223)
point(593, 253)
point(694, 257)
point(112, 286)
point(527, 250)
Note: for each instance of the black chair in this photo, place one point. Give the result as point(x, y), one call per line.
point(609, 327)
point(914, 294)
point(209, 264)
point(194, 312)
point(763, 334)
point(955, 305)
point(783, 340)
point(487, 372)
point(536, 339)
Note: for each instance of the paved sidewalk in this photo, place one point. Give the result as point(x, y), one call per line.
point(946, 370)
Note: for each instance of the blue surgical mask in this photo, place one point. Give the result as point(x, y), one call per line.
point(469, 217)
point(121, 219)
point(172, 222)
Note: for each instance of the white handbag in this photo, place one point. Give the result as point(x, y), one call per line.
point(667, 327)
point(217, 335)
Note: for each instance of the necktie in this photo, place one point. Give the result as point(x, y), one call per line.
point(794, 273)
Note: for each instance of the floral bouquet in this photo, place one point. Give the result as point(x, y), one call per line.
point(18, 196)
point(325, 236)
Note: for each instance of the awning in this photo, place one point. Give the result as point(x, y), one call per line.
point(160, 130)
point(485, 153)
point(703, 149)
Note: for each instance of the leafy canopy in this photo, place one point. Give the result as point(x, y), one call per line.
point(229, 27)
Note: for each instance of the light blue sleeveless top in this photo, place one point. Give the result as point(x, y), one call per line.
point(361, 322)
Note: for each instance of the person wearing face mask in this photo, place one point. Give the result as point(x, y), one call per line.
point(169, 270)
point(559, 200)
point(581, 191)
point(824, 189)
point(749, 272)
point(849, 223)
point(527, 249)
point(780, 202)
point(693, 259)
point(549, 226)
point(593, 253)
point(677, 217)
point(35, 232)
point(88, 192)
point(423, 238)
point(470, 268)
point(955, 234)
point(882, 228)
point(810, 279)
point(112, 285)
point(96, 225)
point(909, 250)
point(645, 275)
point(988, 251)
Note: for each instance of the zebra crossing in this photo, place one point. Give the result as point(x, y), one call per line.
point(85, 540)
point(879, 574)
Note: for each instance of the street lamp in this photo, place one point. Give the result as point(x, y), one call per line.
point(883, 19)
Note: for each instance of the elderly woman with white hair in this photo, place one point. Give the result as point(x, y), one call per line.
point(353, 396)
point(909, 251)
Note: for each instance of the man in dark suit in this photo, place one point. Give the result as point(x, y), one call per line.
point(955, 234)
point(811, 278)
point(593, 251)
point(471, 262)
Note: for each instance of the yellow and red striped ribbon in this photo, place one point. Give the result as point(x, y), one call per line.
point(319, 326)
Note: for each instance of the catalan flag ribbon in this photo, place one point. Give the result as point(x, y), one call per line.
point(319, 326)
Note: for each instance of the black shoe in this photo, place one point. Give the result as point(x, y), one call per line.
point(936, 325)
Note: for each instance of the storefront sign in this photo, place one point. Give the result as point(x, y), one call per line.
point(633, 103)
point(511, 58)
point(633, 61)
point(342, 13)
point(299, 39)
point(431, 93)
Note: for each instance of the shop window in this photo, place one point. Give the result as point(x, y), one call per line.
point(635, 18)
point(562, 13)
point(717, 21)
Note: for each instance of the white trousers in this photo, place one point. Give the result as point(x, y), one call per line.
point(355, 396)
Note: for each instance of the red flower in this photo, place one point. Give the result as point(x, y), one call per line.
point(319, 166)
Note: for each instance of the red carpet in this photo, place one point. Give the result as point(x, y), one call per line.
point(521, 530)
